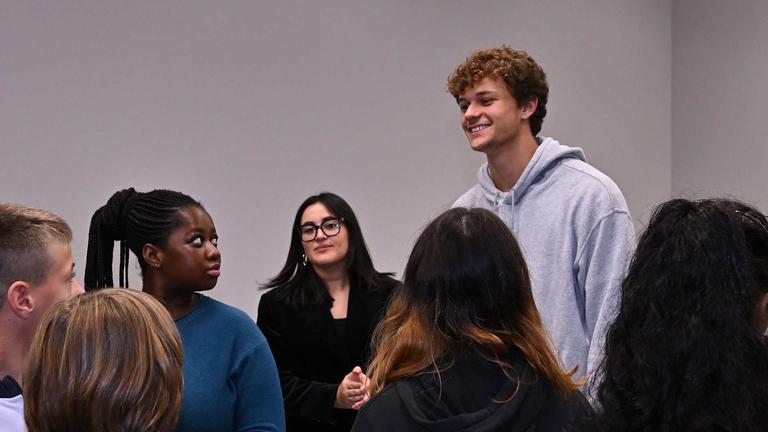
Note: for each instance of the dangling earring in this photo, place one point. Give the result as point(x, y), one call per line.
point(304, 260)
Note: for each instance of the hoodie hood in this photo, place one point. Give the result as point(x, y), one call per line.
point(547, 155)
point(473, 394)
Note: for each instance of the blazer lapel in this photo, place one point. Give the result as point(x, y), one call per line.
point(361, 316)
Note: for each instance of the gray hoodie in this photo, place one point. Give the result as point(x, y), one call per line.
point(573, 225)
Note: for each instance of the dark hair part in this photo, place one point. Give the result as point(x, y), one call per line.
point(298, 283)
point(683, 353)
point(134, 219)
point(466, 285)
point(524, 78)
point(25, 235)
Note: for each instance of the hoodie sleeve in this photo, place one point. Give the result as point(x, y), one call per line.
point(601, 266)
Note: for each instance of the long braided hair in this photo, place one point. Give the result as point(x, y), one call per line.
point(134, 219)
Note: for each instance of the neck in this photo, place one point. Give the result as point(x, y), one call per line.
point(14, 346)
point(507, 162)
point(335, 279)
point(177, 301)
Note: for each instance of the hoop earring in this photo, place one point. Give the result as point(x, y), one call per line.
point(304, 260)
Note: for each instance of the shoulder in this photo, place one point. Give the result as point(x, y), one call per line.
point(389, 283)
point(215, 316)
point(273, 304)
point(385, 404)
point(472, 198)
point(270, 298)
point(376, 296)
point(574, 410)
point(12, 414)
point(223, 311)
point(387, 395)
point(588, 180)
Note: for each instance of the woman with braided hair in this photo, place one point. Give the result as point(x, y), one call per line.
point(230, 379)
point(686, 352)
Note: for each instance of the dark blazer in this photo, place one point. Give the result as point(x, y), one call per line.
point(312, 358)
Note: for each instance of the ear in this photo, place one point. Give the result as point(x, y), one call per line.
point(153, 255)
point(19, 299)
point(527, 109)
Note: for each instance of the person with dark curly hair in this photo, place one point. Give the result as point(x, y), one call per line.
point(687, 352)
point(571, 220)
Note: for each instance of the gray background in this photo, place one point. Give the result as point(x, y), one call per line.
point(252, 106)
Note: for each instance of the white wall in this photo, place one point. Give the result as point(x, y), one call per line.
point(251, 106)
point(719, 94)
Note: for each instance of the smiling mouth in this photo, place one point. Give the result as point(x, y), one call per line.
point(476, 129)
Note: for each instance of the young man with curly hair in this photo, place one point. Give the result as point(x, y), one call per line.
point(570, 219)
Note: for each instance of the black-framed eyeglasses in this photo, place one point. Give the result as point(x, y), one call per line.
point(330, 226)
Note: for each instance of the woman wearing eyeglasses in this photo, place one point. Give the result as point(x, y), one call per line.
point(320, 315)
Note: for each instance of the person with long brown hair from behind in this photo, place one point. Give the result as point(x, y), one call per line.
point(109, 360)
point(462, 346)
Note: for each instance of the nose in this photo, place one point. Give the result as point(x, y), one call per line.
point(212, 252)
point(471, 112)
point(77, 289)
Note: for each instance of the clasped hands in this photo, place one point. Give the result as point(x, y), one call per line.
point(352, 393)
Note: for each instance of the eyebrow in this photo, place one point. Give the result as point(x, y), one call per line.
point(486, 93)
point(199, 230)
point(325, 219)
point(483, 93)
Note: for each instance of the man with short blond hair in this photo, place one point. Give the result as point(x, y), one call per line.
point(36, 272)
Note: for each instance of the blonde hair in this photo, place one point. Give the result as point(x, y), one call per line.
point(109, 360)
point(25, 234)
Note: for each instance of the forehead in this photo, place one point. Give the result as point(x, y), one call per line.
point(486, 85)
point(194, 218)
point(315, 213)
point(61, 258)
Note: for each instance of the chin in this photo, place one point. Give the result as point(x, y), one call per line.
point(327, 262)
point(479, 145)
point(207, 287)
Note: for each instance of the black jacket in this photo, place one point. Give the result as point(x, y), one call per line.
point(312, 358)
point(475, 396)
